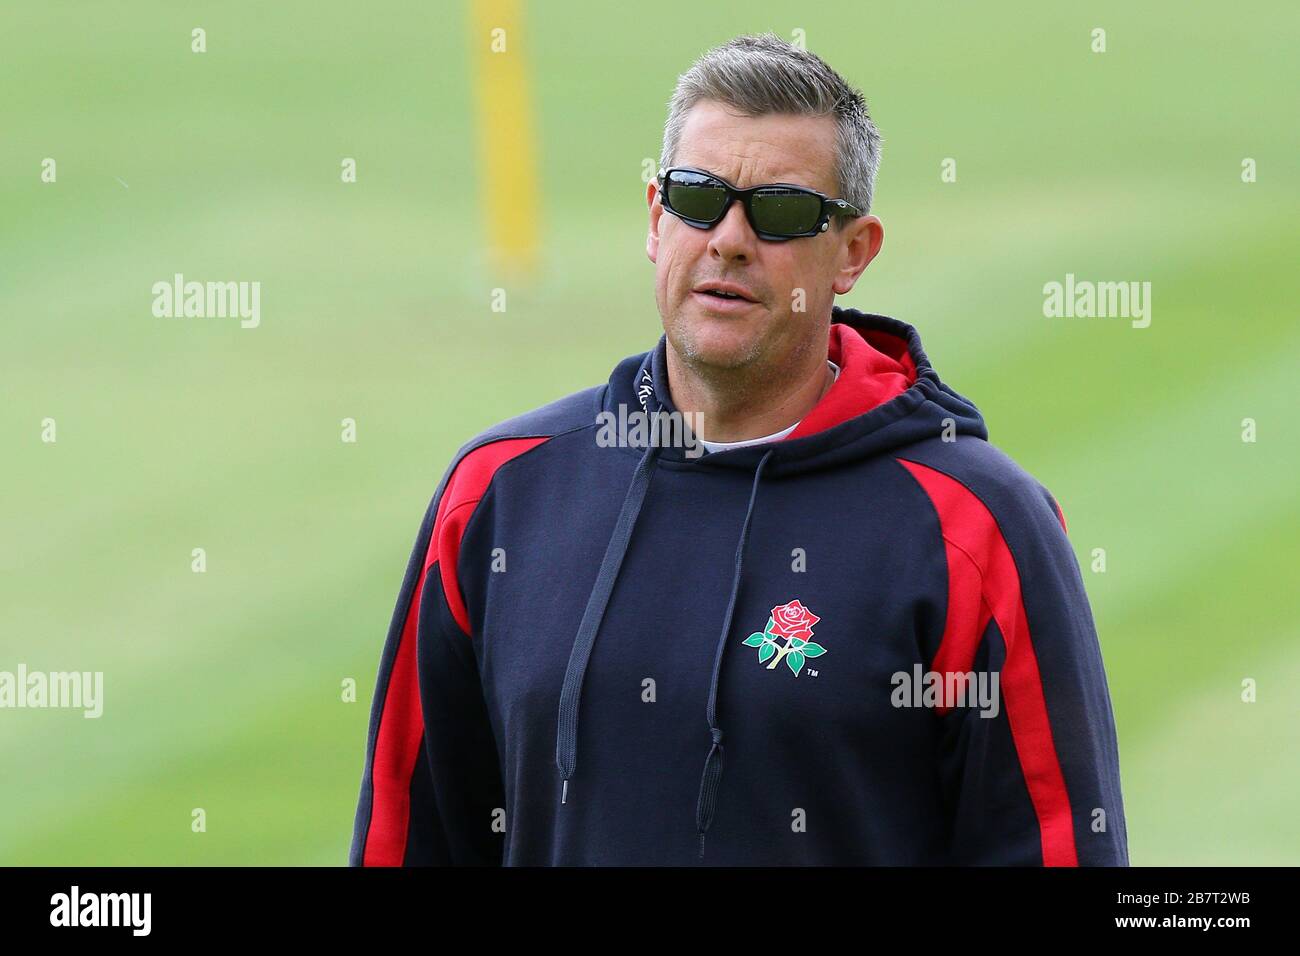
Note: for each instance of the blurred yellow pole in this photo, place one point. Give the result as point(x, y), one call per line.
point(505, 134)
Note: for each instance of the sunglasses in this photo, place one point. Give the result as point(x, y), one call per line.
point(776, 211)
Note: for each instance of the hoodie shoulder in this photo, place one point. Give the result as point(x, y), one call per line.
point(990, 474)
point(472, 471)
point(476, 463)
point(566, 414)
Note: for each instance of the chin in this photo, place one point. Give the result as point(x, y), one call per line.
point(716, 340)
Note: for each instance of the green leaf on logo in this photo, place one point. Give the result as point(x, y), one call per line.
point(795, 661)
point(771, 623)
point(755, 639)
point(813, 650)
point(796, 643)
point(765, 652)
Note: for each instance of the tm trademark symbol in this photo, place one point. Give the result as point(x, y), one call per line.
point(811, 672)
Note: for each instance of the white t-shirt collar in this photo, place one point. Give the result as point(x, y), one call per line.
point(712, 446)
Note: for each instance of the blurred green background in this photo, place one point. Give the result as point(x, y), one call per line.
point(222, 690)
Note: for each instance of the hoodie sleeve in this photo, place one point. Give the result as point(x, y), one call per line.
point(1031, 771)
point(431, 791)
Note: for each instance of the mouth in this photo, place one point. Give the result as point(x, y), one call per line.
point(723, 297)
point(713, 302)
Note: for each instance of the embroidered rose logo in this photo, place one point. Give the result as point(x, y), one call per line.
point(794, 623)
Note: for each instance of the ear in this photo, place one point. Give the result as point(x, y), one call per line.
point(860, 242)
point(656, 212)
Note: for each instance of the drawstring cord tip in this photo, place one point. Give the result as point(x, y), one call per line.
point(564, 793)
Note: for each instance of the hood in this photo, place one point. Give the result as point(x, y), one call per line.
point(887, 396)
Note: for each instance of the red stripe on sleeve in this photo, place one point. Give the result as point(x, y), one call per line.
point(464, 489)
point(967, 616)
point(401, 726)
point(396, 750)
point(976, 550)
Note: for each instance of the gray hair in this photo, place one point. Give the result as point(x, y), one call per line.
point(757, 75)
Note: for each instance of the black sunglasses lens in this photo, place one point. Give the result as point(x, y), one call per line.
point(694, 196)
point(786, 212)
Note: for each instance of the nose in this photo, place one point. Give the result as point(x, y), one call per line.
point(732, 238)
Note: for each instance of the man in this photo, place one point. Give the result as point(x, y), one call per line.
point(872, 613)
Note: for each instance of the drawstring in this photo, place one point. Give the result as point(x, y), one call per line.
point(566, 736)
point(713, 763)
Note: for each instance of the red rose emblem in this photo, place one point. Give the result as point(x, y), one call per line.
point(793, 620)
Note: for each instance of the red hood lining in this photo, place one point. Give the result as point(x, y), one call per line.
point(873, 370)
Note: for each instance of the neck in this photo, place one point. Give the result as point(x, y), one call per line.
point(744, 403)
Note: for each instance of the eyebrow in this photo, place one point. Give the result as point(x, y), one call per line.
point(791, 180)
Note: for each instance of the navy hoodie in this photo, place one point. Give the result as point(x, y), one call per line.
point(865, 643)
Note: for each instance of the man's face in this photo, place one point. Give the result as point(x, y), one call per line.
point(793, 283)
